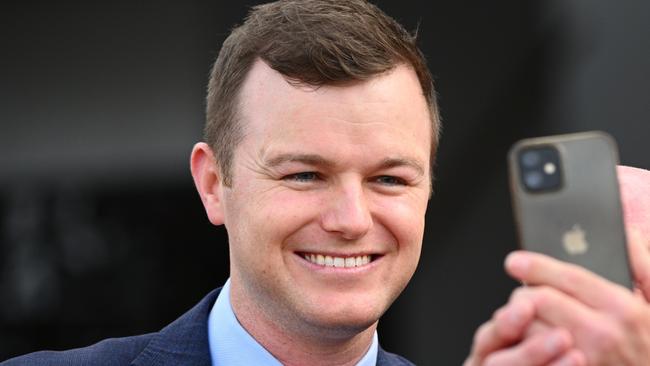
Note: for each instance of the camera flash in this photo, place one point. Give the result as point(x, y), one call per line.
point(549, 168)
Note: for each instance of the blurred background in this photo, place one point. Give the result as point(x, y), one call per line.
point(103, 235)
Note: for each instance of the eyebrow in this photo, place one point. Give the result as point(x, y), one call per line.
point(401, 161)
point(318, 160)
point(308, 159)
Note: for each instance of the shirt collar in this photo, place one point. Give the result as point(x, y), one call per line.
point(231, 345)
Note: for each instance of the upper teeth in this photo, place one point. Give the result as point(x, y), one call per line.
point(347, 262)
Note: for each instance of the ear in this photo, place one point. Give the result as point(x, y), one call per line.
point(208, 181)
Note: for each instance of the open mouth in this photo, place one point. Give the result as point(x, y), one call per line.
point(338, 262)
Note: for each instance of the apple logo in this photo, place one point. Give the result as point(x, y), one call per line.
point(574, 241)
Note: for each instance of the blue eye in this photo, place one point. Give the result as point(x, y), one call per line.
point(302, 177)
point(390, 180)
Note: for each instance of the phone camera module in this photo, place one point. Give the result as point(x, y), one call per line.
point(530, 158)
point(540, 169)
point(533, 179)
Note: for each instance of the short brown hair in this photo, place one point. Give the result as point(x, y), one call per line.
point(312, 42)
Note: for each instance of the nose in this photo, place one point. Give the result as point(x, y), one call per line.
point(347, 213)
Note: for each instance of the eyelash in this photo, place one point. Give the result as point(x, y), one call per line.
point(305, 177)
point(394, 181)
point(300, 177)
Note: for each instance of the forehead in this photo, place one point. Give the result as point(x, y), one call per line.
point(389, 104)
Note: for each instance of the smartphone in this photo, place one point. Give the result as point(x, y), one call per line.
point(566, 201)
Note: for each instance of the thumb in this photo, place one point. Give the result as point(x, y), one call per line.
point(638, 247)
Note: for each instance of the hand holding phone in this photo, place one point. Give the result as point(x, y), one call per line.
point(587, 320)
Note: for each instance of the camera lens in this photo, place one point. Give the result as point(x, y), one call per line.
point(534, 179)
point(530, 158)
point(540, 168)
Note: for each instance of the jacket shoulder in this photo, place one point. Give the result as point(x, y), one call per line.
point(183, 342)
point(109, 352)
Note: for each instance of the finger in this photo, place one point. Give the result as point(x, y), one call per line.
point(471, 361)
point(511, 323)
point(587, 287)
point(534, 325)
point(505, 328)
point(573, 357)
point(635, 196)
point(639, 260)
point(537, 326)
point(538, 350)
point(558, 309)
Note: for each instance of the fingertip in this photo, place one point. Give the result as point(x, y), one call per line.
point(578, 358)
point(558, 341)
point(499, 312)
point(510, 316)
point(523, 307)
point(513, 319)
point(517, 263)
point(527, 308)
point(573, 357)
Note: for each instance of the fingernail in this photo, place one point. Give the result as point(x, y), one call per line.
point(556, 342)
point(517, 262)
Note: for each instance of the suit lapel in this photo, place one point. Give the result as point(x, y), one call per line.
point(389, 359)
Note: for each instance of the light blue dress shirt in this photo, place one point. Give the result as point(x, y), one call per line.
point(231, 345)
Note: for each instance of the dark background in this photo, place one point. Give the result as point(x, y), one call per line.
point(103, 235)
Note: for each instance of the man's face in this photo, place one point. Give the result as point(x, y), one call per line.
point(325, 215)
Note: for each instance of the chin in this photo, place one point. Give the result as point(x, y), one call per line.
point(345, 321)
point(342, 328)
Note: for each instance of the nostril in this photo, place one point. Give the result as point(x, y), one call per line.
point(349, 226)
point(347, 212)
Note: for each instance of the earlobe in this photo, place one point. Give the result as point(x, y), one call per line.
point(207, 179)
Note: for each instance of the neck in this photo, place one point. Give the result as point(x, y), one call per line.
point(301, 345)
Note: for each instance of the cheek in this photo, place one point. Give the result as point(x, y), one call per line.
point(266, 219)
point(404, 219)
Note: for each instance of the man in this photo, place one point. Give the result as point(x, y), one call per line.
point(321, 129)
point(569, 316)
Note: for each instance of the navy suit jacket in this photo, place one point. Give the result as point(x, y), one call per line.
point(183, 342)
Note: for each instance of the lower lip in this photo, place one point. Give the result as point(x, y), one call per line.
point(376, 259)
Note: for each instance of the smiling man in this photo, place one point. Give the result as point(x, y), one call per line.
point(317, 161)
point(320, 133)
point(324, 211)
